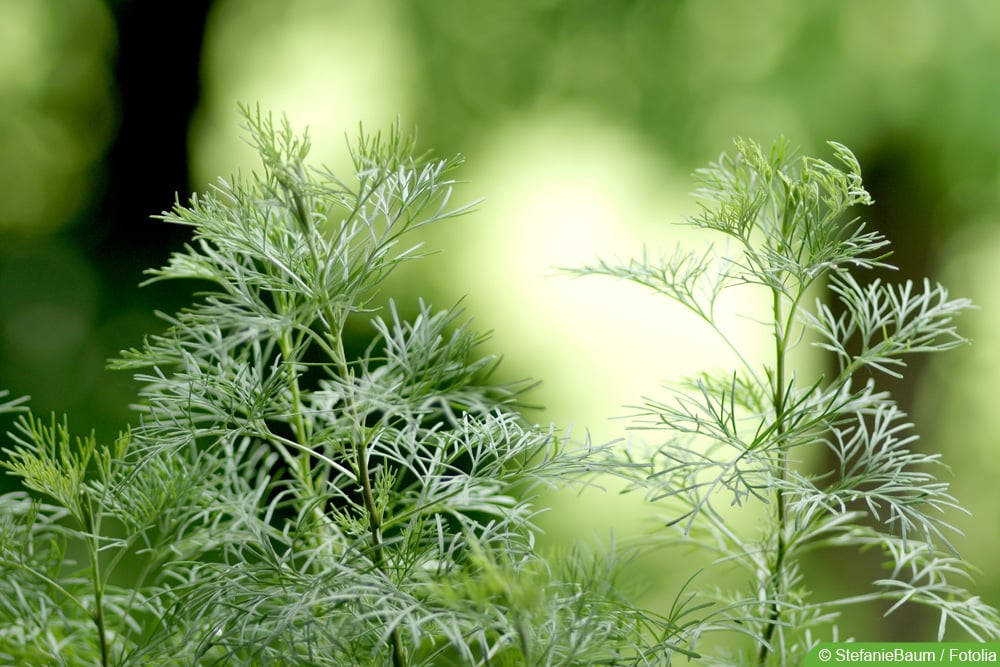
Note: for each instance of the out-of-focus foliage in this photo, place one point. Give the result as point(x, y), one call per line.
point(56, 114)
point(689, 75)
point(56, 120)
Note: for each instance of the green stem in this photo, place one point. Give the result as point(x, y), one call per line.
point(301, 466)
point(773, 580)
point(375, 527)
point(102, 633)
point(92, 526)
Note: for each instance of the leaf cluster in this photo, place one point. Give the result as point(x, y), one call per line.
point(283, 501)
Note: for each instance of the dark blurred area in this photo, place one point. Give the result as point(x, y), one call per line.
point(108, 110)
point(116, 89)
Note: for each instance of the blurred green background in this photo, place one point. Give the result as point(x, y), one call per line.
point(581, 122)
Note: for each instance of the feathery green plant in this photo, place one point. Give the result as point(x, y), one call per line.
point(283, 502)
point(751, 435)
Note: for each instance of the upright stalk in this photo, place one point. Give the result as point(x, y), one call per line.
point(375, 527)
point(773, 579)
point(89, 524)
point(102, 631)
point(300, 464)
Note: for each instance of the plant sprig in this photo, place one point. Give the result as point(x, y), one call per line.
point(285, 500)
point(746, 435)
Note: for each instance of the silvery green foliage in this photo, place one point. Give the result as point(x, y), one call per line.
point(751, 435)
point(284, 503)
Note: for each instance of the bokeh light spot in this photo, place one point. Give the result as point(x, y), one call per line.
point(326, 66)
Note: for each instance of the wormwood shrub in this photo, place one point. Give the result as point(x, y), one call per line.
point(828, 460)
point(281, 502)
